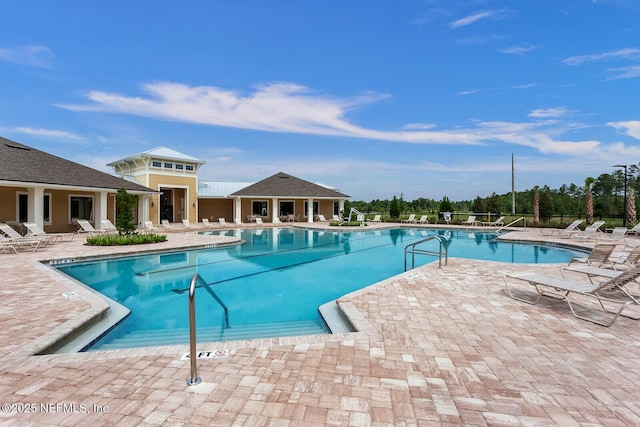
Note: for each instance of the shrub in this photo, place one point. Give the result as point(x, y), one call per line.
point(122, 239)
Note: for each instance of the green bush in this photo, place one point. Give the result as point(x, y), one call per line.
point(125, 239)
point(346, 224)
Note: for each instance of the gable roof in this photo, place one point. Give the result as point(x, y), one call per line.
point(219, 188)
point(22, 164)
point(162, 153)
point(285, 185)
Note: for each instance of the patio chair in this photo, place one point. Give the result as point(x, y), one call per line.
point(148, 226)
point(35, 230)
point(600, 255)
point(9, 231)
point(86, 227)
point(222, 221)
point(470, 221)
point(19, 243)
point(321, 218)
point(626, 259)
point(165, 224)
point(259, 220)
point(336, 218)
point(570, 230)
point(561, 288)
point(497, 223)
point(590, 231)
point(617, 235)
point(423, 220)
point(635, 230)
point(205, 222)
point(410, 220)
point(376, 218)
point(186, 223)
point(276, 220)
point(108, 226)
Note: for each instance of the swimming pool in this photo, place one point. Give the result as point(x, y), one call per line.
point(273, 283)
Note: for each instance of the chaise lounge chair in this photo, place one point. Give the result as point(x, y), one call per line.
point(470, 221)
point(108, 226)
point(600, 255)
point(35, 230)
point(149, 227)
point(410, 220)
point(559, 287)
point(86, 227)
point(497, 223)
point(617, 235)
point(635, 230)
point(423, 220)
point(186, 223)
point(570, 230)
point(590, 231)
point(376, 218)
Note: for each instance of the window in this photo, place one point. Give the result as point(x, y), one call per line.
point(189, 167)
point(259, 208)
point(23, 208)
point(179, 167)
point(156, 164)
point(168, 165)
point(286, 208)
point(306, 208)
point(80, 207)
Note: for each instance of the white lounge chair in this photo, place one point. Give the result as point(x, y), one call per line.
point(205, 222)
point(186, 223)
point(321, 218)
point(570, 230)
point(222, 221)
point(590, 231)
point(336, 218)
point(148, 226)
point(108, 226)
point(635, 230)
point(165, 224)
point(617, 235)
point(35, 230)
point(20, 243)
point(560, 287)
point(423, 220)
point(86, 227)
point(259, 220)
point(410, 220)
point(497, 223)
point(470, 221)
point(600, 255)
point(376, 218)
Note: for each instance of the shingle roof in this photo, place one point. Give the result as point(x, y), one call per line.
point(21, 163)
point(284, 185)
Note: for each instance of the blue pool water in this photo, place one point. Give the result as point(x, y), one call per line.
point(278, 277)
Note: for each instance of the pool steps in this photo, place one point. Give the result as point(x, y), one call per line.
point(215, 334)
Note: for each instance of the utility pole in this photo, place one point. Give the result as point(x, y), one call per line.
point(513, 188)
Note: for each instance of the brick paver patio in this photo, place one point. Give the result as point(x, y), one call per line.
point(435, 347)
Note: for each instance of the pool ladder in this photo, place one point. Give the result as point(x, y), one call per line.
point(413, 251)
point(195, 279)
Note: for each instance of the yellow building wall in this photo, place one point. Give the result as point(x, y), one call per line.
point(156, 181)
point(8, 206)
point(213, 209)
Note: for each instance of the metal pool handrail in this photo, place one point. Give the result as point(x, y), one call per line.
point(195, 279)
point(414, 251)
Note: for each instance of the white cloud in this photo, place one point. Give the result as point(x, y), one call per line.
point(33, 56)
point(519, 50)
point(290, 108)
point(49, 133)
point(631, 128)
point(468, 20)
point(629, 72)
point(548, 112)
point(627, 53)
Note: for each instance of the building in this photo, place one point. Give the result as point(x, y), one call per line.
point(180, 195)
point(53, 192)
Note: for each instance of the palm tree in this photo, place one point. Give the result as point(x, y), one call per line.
point(588, 198)
point(631, 208)
point(536, 205)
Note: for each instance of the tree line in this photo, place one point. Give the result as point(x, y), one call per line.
point(606, 191)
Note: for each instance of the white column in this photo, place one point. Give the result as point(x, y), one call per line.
point(310, 210)
point(99, 208)
point(237, 212)
point(340, 206)
point(143, 208)
point(35, 202)
point(275, 209)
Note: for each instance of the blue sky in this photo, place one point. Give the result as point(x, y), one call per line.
point(377, 98)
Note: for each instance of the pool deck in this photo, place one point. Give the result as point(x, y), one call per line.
point(434, 347)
